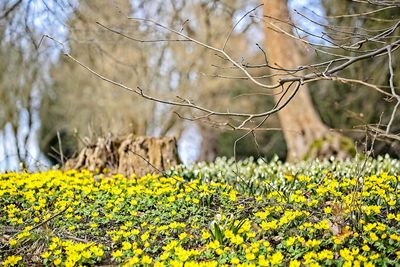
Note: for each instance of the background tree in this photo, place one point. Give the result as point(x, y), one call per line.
point(355, 104)
point(85, 104)
point(301, 123)
point(101, 37)
point(292, 80)
point(22, 77)
point(166, 62)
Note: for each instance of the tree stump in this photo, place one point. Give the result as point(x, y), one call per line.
point(129, 155)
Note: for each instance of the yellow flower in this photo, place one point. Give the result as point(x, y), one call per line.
point(262, 214)
point(97, 251)
point(325, 254)
point(337, 240)
point(174, 225)
point(138, 251)
point(175, 263)
point(262, 261)
point(133, 260)
point(373, 237)
point(12, 242)
point(133, 212)
point(23, 234)
point(219, 251)
point(328, 210)
point(361, 258)
point(392, 202)
point(301, 239)
point(250, 256)
point(232, 196)
point(170, 245)
point(46, 254)
point(117, 254)
point(354, 251)
point(276, 258)
point(381, 227)
point(269, 225)
point(294, 263)
point(57, 261)
point(145, 236)
point(235, 260)
point(182, 236)
point(251, 234)
point(369, 227)
point(213, 245)
point(290, 241)
point(146, 259)
point(313, 243)
point(237, 239)
point(182, 254)
point(366, 248)
point(346, 254)
point(374, 257)
point(164, 256)
point(86, 254)
point(135, 231)
point(324, 224)
point(12, 260)
point(126, 245)
point(159, 264)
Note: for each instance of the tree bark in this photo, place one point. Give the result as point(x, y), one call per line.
point(127, 155)
point(301, 123)
point(209, 143)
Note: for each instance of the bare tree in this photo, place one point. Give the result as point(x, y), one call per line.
point(21, 79)
point(102, 38)
point(84, 103)
point(285, 79)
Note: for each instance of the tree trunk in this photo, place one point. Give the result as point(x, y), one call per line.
point(301, 124)
point(127, 155)
point(208, 149)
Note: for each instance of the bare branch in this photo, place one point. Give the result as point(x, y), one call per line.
point(389, 52)
point(10, 9)
point(237, 23)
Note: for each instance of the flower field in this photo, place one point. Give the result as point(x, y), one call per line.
point(222, 214)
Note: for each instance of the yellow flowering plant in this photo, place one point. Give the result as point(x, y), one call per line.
point(268, 214)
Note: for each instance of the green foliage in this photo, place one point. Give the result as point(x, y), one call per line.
point(271, 143)
point(346, 145)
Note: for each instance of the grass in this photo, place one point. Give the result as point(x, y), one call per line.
point(245, 214)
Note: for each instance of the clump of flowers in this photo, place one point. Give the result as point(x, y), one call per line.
point(274, 214)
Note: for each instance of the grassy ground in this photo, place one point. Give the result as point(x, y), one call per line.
point(244, 214)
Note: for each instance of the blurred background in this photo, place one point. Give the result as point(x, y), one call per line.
point(49, 103)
